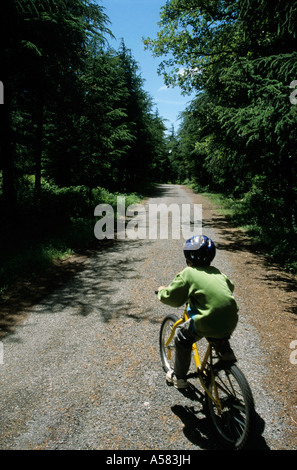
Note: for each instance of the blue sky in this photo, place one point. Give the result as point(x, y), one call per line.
point(132, 20)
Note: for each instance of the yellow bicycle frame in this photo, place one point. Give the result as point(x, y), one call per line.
point(200, 367)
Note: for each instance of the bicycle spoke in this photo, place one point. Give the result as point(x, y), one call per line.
point(232, 420)
point(224, 386)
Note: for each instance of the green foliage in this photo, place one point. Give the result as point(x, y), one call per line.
point(75, 109)
point(77, 120)
point(238, 136)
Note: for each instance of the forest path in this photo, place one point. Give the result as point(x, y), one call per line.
point(82, 368)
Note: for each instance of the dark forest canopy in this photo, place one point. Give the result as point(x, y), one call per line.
point(76, 117)
point(76, 125)
point(75, 110)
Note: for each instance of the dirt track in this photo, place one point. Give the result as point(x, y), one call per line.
point(81, 366)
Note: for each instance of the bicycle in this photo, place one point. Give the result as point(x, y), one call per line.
point(229, 399)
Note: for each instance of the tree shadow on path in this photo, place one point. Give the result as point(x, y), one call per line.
point(82, 283)
point(234, 240)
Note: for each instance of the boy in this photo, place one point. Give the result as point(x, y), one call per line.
point(211, 306)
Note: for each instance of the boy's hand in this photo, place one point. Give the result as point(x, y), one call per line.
point(161, 287)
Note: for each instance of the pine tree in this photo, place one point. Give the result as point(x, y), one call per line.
point(242, 57)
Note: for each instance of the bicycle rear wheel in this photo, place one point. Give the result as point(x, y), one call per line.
point(167, 352)
point(233, 423)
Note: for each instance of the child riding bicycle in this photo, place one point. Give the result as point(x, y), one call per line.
point(210, 304)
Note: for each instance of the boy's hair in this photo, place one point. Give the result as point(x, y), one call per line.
point(200, 250)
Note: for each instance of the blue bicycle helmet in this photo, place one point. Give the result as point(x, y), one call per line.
point(200, 250)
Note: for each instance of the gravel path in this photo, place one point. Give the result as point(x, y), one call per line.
point(82, 371)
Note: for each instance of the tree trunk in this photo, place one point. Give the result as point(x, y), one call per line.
point(38, 153)
point(7, 154)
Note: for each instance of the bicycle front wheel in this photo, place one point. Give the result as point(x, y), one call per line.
point(233, 421)
point(167, 352)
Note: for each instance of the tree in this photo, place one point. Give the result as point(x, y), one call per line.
point(43, 60)
point(141, 123)
point(194, 37)
point(105, 137)
point(242, 56)
point(75, 110)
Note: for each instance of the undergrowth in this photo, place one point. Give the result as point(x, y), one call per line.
point(263, 221)
point(59, 224)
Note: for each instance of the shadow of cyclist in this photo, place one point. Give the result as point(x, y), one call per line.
point(198, 429)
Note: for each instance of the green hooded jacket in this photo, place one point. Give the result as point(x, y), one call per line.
point(209, 294)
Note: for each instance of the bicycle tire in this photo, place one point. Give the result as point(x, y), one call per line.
point(234, 424)
point(167, 353)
